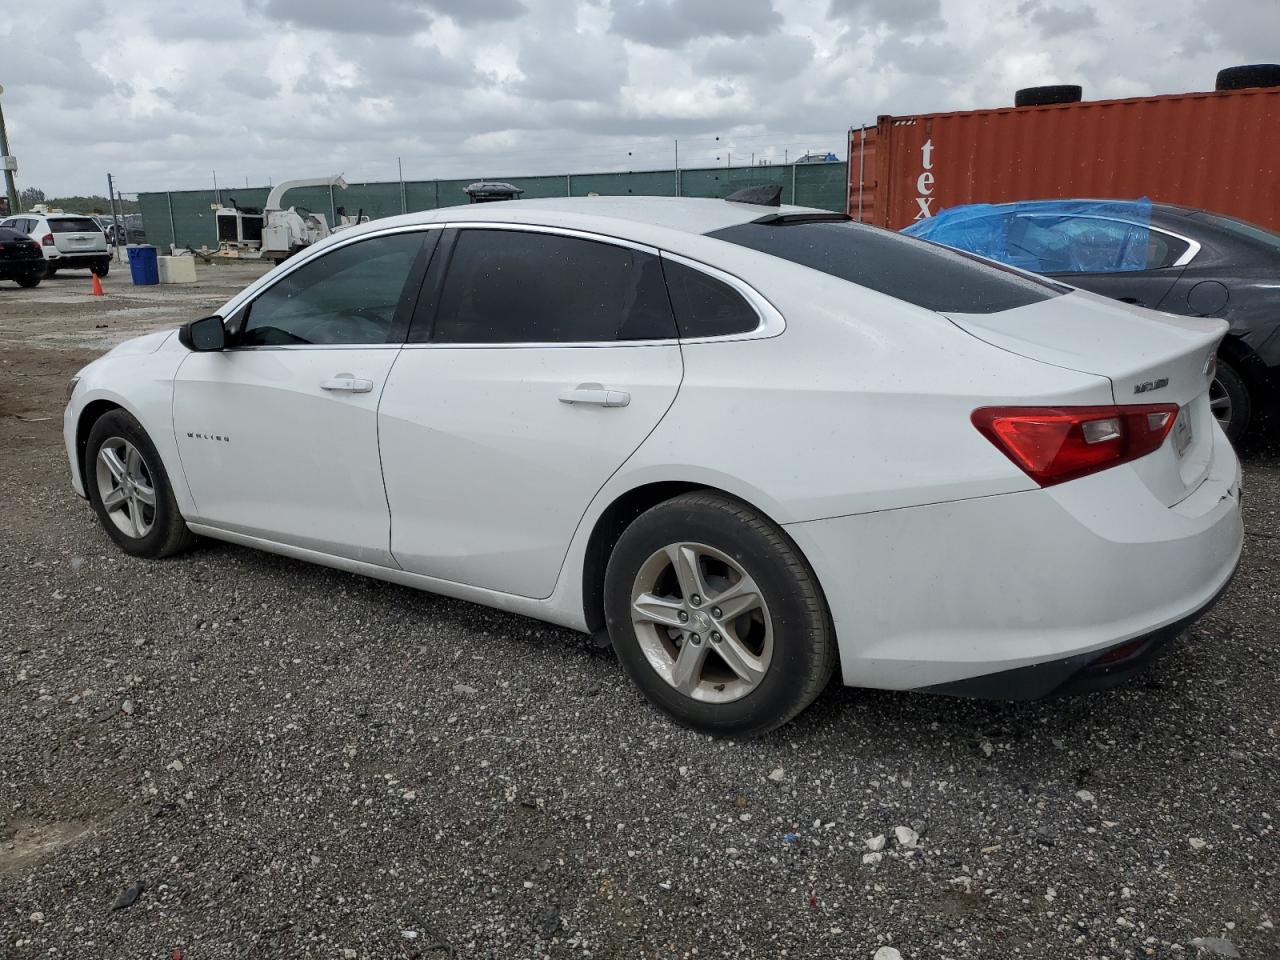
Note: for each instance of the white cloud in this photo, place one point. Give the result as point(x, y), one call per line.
point(162, 94)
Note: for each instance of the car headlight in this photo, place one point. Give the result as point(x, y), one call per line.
point(71, 387)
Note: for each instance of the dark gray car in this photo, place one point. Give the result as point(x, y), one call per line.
point(1167, 257)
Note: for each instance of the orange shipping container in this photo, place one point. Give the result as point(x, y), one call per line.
point(1212, 150)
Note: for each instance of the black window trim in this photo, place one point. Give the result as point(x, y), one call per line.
point(423, 324)
point(236, 311)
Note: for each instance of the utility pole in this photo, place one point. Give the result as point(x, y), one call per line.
point(115, 220)
point(404, 207)
point(9, 163)
point(677, 168)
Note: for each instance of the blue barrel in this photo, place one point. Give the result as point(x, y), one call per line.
point(143, 265)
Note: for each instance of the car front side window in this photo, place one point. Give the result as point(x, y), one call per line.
point(346, 296)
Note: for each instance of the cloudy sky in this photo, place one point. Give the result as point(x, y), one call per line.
point(163, 93)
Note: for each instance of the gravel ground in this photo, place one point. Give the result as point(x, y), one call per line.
point(230, 754)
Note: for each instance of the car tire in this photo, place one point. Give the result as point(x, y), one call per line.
point(1248, 76)
point(781, 644)
point(101, 269)
point(1230, 402)
point(29, 281)
point(1047, 96)
point(142, 524)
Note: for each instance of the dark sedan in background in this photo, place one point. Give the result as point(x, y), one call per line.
point(1171, 258)
point(21, 258)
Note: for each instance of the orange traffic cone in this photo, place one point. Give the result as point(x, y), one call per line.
point(97, 286)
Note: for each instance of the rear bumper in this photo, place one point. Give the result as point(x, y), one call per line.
point(1047, 580)
point(1082, 673)
point(82, 258)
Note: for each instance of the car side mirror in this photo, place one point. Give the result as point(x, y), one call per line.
point(204, 335)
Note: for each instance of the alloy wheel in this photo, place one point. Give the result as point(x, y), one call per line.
point(702, 622)
point(126, 488)
point(1220, 403)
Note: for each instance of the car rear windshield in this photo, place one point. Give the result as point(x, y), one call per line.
point(73, 225)
point(919, 272)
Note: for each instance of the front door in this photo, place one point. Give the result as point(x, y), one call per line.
point(550, 359)
point(278, 434)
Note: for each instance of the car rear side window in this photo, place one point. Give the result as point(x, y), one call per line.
point(516, 286)
point(705, 306)
point(918, 272)
point(73, 225)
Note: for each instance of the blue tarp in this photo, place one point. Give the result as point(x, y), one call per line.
point(1048, 236)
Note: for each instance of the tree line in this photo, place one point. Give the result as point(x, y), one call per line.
point(93, 203)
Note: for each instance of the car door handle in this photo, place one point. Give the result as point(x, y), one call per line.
point(346, 383)
point(597, 394)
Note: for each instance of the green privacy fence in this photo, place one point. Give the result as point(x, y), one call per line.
point(185, 217)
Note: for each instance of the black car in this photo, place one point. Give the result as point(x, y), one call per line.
point(1159, 255)
point(21, 258)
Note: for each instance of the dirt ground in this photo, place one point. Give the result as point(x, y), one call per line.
point(230, 754)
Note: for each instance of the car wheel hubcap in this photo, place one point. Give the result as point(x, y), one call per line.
point(702, 622)
point(1220, 402)
point(126, 488)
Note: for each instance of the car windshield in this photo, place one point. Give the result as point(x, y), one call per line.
point(73, 225)
point(925, 274)
point(1244, 229)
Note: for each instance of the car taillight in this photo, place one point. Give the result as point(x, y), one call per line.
point(1055, 444)
point(47, 240)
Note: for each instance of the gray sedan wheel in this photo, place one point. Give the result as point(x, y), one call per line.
point(1229, 401)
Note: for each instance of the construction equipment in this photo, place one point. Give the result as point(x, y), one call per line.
point(274, 232)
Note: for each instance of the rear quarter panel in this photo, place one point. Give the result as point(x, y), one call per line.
point(861, 404)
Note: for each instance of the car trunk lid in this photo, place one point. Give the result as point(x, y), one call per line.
point(1149, 357)
point(77, 235)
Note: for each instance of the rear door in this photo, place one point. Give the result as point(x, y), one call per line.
point(538, 362)
point(73, 235)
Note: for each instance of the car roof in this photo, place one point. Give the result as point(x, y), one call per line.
point(643, 219)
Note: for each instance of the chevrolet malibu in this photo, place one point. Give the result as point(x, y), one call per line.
point(753, 444)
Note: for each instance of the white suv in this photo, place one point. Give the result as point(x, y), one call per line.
point(69, 242)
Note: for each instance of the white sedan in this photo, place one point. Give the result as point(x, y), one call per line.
point(753, 444)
